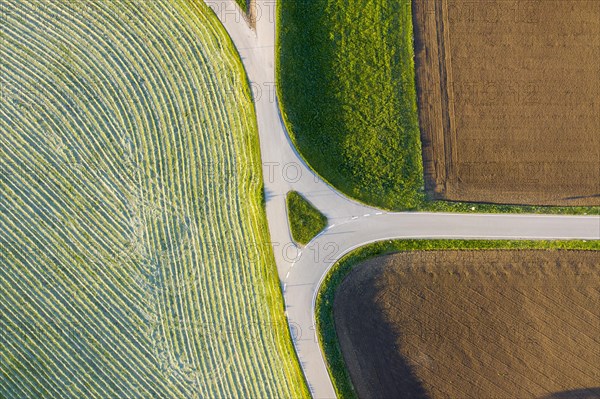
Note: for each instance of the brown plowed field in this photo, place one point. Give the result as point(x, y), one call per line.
point(473, 324)
point(509, 100)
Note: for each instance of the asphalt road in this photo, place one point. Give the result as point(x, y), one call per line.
point(351, 224)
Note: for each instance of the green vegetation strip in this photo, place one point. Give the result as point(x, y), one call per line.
point(134, 245)
point(346, 82)
point(243, 4)
point(325, 298)
point(305, 220)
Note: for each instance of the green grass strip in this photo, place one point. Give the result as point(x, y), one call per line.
point(305, 220)
point(243, 4)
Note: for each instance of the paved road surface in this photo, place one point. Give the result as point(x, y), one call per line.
point(350, 224)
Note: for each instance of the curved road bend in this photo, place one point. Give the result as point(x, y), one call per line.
point(350, 224)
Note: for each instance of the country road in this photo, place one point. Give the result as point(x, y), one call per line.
point(350, 224)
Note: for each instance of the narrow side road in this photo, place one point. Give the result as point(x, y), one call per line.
point(351, 224)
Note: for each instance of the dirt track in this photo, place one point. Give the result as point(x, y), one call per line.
point(509, 100)
point(473, 324)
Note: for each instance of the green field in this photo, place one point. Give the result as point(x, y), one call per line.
point(346, 82)
point(305, 220)
point(134, 244)
point(325, 297)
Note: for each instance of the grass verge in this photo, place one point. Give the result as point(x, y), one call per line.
point(305, 220)
point(324, 305)
point(243, 4)
point(348, 98)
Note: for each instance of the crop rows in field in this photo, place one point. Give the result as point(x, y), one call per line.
point(508, 100)
point(133, 241)
point(472, 324)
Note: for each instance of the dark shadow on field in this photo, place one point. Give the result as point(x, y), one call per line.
point(267, 195)
point(369, 341)
point(584, 393)
point(582, 197)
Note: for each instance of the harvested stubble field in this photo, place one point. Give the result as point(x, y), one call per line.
point(473, 324)
point(133, 240)
point(509, 100)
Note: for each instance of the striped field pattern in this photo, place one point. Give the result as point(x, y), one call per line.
point(133, 241)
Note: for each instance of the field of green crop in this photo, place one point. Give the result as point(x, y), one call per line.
point(346, 83)
point(133, 242)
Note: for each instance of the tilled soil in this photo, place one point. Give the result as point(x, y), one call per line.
point(473, 324)
point(509, 100)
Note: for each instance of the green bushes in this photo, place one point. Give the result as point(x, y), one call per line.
point(305, 220)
